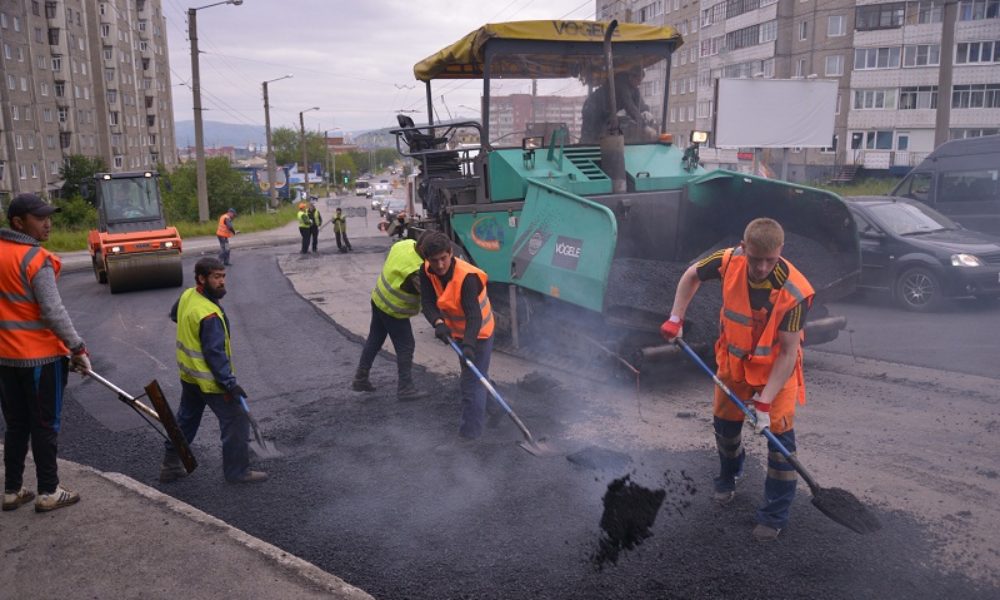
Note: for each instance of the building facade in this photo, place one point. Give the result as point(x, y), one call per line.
point(87, 77)
point(515, 116)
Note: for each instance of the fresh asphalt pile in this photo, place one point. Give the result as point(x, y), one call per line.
point(629, 513)
point(382, 494)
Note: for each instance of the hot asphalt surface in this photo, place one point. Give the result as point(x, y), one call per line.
point(382, 493)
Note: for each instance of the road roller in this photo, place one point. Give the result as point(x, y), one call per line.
point(132, 247)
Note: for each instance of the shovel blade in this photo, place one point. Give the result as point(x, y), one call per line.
point(536, 447)
point(842, 507)
point(264, 449)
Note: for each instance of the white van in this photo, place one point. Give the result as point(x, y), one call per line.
point(362, 188)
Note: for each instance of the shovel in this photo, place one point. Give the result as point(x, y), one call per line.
point(840, 505)
point(162, 414)
point(261, 447)
point(530, 444)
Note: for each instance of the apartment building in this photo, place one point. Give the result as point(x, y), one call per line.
point(514, 116)
point(885, 57)
point(87, 77)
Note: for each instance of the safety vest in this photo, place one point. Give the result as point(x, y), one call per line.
point(191, 309)
point(750, 359)
point(23, 334)
point(304, 220)
point(339, 224)
point(449, 299)
point(223, 231)
point(388, 294)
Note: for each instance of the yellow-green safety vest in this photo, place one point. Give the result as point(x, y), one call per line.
point(304, 220)
point(388, 295)
point(191, 309)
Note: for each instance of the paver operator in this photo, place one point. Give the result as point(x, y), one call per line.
point(394, 300)
point(454, 300)
point(204, 359)
point(759, 353)
point(225, 231)
point(36, 337)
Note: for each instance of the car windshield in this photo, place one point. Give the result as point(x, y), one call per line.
point(903, 218)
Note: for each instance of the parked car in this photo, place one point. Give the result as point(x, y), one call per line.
point(920, 256)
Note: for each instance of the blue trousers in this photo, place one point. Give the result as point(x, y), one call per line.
point(781, 480)
point(474, 393)
point(233, 425)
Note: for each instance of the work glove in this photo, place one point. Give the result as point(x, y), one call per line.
point(672, 328)
point(79, 361)
point(762, 411)
point(236, 392)
point(468, 352)
point(647, 117)
point(442, 332)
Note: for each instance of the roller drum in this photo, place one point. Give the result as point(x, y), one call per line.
point(149, 270)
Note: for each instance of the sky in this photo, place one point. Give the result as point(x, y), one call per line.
point(352, 59)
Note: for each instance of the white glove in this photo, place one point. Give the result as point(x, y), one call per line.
point(647, 116)
point(763, 416)
point(80, 362)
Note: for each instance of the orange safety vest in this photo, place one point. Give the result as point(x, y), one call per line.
point(748, 345)
point(223, 231)
point(449, 300)
point(23, 334)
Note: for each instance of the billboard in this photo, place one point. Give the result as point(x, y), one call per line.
point(775, 113)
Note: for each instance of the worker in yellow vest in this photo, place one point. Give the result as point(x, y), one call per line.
point(204, 359)
point(395, 299)
point(224, 232)
point(454, 300)
point(305, 226)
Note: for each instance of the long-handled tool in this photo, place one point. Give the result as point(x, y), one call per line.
point(840, 505)
point(261, 447)
point(161, 414)
point(530, 444)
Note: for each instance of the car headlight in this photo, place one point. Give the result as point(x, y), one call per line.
point(965, 260)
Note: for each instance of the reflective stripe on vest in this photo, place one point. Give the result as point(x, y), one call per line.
point(388, 294)
point(449, 299)
point(222, 230)
point(751, 360)
point(191, 310)
point(23, 333)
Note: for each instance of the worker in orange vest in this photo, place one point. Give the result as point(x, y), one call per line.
point(759, 355)
point(224, 232)
point(38, 346)
point(454, 300)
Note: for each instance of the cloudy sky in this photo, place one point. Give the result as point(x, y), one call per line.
point(352, 58)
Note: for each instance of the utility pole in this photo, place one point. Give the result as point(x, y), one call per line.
point(943, 115)
point(199, 134)
point(271, 175)
point(305, 155)
point(326, 148)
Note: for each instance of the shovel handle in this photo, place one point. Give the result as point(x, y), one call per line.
point(124, 396)
point(753, 418)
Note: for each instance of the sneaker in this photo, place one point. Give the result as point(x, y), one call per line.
point(765, 533)
point(171, 472)
point(251, 477)
point(58, 499)
point(724, 498)
point(14, 500)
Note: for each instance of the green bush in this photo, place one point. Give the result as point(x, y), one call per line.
point(227, 188)
point(76, 214)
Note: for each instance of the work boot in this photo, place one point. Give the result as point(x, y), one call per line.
point(58, 499)
point(407, 392)
point(765, 533)
point(250, 477)
point(16, 499)
point(361, 383)
point(724, 498)
point(172, 469)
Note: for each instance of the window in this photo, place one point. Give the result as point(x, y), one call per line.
point(44, 88)
point(879, 16)
point(911, 98)
point(15, 113)
point(969, 186)
point(22, 171)
point(983, 95)
point(832, 148)
point(768, 32)
point(874, 99)
point(53, 36)
point(109, 75)
point(876, 58)
point(804, 30)
point(113, 117)
point(60, 89)
point(47, 115)
point(63, 114)
point(24, 84)
point(17, 23)
point(105, 30)
point(18, 142)
point(56, 63)
point(977, 52)
point(968, 10)
point(35, 9)
point(929, 11)
point(6, 52)
point(109, 53)
point(800, 67)
point(11, 82)
point(34, 170)
point(922, 55)
point(53, 167)
point(119, 162)
point(112, 96)
point(104, 9)
point(834, 65)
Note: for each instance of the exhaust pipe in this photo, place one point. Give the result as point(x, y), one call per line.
point(613, 142)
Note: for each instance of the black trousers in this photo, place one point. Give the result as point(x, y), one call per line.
point(32, 399)
point(306, 236)
point(400, 332)
point(314, 236)
point(342, 241)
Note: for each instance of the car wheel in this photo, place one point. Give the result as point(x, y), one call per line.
point(918, 289)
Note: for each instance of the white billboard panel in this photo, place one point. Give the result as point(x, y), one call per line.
point(775, 113)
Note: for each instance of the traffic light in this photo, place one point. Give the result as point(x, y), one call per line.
point(347, 175)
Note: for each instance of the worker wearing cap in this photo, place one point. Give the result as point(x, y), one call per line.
point(453, 298)
point(224, 232)
point(340, 230)
point(316, 220)
point(759, 354)
point(305, 223)
point(38, 345)
point(394, 300)
point(399, 227)
point(204, 359)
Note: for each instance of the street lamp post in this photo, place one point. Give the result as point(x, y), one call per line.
point(305, 155)
point(199, 135)
point(271, 177)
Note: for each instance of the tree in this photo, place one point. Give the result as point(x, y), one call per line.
point(287, 144)
point(78, 170)
point(227, 188)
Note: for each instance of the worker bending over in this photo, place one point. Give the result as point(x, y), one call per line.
point(759, 353)
point(454, 300)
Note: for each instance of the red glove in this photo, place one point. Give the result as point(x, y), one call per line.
point(671, 328)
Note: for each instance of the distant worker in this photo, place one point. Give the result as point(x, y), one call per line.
point(36, 337)
point(224, 232)
point(316, 220)
point(395, 299)
point(454, 300)
point(398, 227)
point(764, 304)
point(305, 224)
point(628, 97)
point(340, 230)
point(204, 359)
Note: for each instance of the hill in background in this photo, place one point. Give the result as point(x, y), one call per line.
point(220, 134)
